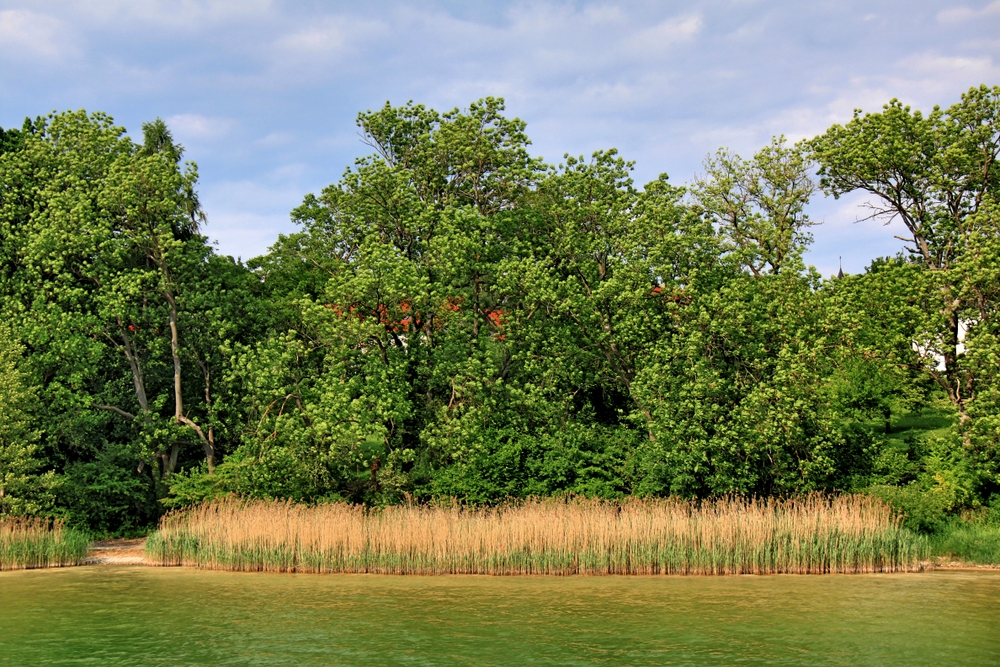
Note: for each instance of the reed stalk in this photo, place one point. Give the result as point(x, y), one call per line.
point(28, 543)
point(811, 535)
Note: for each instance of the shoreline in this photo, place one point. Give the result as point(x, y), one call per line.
point(132, 552)
point(117, 552)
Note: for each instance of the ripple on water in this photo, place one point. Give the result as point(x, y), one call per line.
point(171, 616)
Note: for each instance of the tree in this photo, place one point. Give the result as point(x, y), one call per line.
point(397, 357)
point(24, 488)
point(109, 283)
point(935, 173)
point(978, 275)
point(882, 371)
point(158, 140)
point(10, 140)
point(603, 273)
point(455, 318)
point(467, 322)
point(759, 204)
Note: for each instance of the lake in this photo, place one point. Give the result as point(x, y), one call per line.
point(114, 615)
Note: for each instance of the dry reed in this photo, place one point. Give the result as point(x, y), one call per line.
point(27, 543)
point(734, 536)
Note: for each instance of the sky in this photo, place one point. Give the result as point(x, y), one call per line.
point(264, 94)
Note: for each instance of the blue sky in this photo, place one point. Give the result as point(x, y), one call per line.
point(263, 94)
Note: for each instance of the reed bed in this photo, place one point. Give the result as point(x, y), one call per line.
point(812, 535)
point(28, 543)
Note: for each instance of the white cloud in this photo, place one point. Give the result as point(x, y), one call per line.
point(920, 80)
point(751, 31)
point(277, 139)
point(844, 229)
point(796, 123)
point(252, 196)
point(673, 31)
point(245, 217)
point(246, 235)
point(543, 18)
point(266, 83)
point(191, 126)
point(322, 39)
point(963, 14)
point(333, 35)
point(25, 34)
point(604, 14)
point(288, 172)
point(948, 67)
point(185, 14)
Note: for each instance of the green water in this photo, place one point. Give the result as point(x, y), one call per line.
point(111, 616)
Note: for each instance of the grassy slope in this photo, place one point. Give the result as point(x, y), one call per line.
point(975, 541)
point(969, 542)
point(933, 421)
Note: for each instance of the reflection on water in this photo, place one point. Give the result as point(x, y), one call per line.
point(151, 616)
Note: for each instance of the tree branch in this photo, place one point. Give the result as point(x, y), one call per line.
point(112, 408)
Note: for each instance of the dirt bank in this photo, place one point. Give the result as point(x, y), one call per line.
point(946, 563)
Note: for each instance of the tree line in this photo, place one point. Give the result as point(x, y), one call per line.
point(457, 319)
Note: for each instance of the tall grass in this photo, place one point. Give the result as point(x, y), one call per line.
point(968, 542)
point(27, 543)
point(808, 535)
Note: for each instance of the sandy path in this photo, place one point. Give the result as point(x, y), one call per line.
point(117, 552)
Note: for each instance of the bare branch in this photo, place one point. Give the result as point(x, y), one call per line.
point(112, 408)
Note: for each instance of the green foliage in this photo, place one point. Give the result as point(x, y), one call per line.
point(969, 543)
point(759, 205)
point(973, 538)
point(743, 405)
point(106, 495)
point(938, 175)
point(25, 487)
point(582, 461)
point(456, 319)
point(922, 510)
point(123, 308)
point(929, 481)
point(10, 140)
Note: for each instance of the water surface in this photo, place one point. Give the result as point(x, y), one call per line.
point(112, 616)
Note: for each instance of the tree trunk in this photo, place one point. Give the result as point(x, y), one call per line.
point(179, 417)
point(133, 363)
point(207, 443)
point(175, 353)
point(956, 391)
